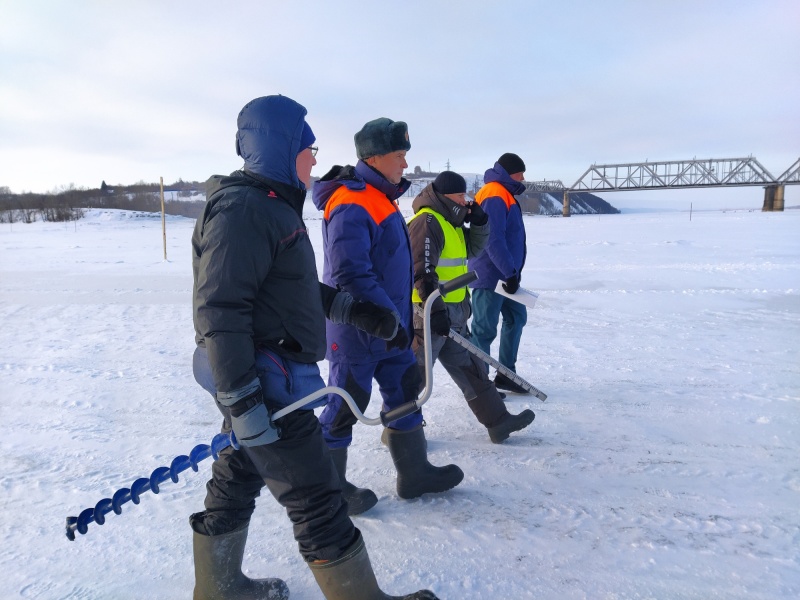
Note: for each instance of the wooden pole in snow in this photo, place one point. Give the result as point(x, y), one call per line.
point(163, 219)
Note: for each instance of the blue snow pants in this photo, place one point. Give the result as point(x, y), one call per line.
point(398, 382)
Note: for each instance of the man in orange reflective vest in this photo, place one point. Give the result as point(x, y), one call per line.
point(503, 260)
point(368, 254)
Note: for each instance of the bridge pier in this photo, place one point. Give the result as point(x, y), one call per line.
point(773, 198)
point(565, 210)
point(778, 201)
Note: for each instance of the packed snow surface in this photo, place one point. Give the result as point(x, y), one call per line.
point(665, 462)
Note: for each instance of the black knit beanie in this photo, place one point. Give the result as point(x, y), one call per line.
point(448, 182)
point(511, 163)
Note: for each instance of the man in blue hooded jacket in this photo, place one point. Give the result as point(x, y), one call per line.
point(502, 260)
point(368, 254)
point(257, 349)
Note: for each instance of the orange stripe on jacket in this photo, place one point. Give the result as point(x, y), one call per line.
point(370, 199)
point(494, 188)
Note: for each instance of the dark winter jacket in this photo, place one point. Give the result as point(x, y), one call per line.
point(367, 253)
point(427, 243)
point(506, 250)
point(255, 277)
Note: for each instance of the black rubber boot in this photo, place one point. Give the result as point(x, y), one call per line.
point(491, 412)
point(359, 500)
point(509, 424)
point(385, 437)
point(218, 568)
point(351, 578)
point(415, 475)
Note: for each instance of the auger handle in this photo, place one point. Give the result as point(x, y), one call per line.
point(411, 407)
point(459, 282)
point(398, 413)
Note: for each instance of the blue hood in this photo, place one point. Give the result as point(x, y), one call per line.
point(501, 176)
point(268, 138)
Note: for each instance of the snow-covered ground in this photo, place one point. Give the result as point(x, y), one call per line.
point(664, 464)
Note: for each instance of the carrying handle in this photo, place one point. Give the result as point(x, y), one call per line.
point(398, 413)
point(413, 406)
point(459, 282)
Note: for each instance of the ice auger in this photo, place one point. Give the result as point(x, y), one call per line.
point(179, 464)
point(97, 513)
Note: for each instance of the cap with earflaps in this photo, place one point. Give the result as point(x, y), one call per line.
point(381, 136)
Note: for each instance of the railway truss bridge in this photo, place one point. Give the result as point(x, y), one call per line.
point(668, 175)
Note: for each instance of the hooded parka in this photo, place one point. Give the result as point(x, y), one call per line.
point(258, 311)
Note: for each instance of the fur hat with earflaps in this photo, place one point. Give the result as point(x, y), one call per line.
point(381, 136)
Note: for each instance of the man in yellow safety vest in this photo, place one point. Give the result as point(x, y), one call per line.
point(440, 247)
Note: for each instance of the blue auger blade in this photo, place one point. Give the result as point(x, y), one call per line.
point(98, 513)
point(100, 510)
point(179, 465)
point(198, 453)
point(139, 487)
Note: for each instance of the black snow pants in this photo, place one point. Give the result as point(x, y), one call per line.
point(467, 370)
point(298, 471)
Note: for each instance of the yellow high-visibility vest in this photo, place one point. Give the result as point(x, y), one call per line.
point(453, 261)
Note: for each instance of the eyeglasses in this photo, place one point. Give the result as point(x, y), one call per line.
point(314, 150)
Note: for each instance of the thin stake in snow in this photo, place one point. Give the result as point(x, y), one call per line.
point(163, 219)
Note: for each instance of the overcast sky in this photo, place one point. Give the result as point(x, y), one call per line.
point(130, 91)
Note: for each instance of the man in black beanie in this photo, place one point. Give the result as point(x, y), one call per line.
point(503, 261)
point(440, 246)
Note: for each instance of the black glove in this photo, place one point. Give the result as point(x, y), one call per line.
point(476, 215)
point(399, 341)
point(425, 287)
point(511, 285)
point(440, 322)
point(374, 319)
point(328, 295)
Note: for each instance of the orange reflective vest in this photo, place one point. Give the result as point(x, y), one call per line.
point(371, 200)
point(495, 189)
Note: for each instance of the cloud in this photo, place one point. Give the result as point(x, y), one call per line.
point(89, 88)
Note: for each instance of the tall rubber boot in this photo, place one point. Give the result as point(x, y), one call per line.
point(385, 437)
point(218, 568)
point(491, 412)
point(351, 578)
point(415, 475)
point(509, 424)
point(359, 500)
